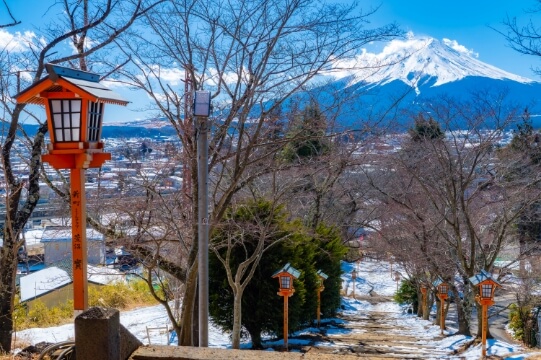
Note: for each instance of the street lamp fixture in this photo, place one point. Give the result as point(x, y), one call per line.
point(74, 102)
point(486, 285)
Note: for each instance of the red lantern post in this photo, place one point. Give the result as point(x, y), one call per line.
point(74, 102)
point(486, 285)
point(285, 276)
point(442, 293)
point(423, 296)
point(322, 277)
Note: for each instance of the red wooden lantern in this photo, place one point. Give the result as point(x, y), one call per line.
point(74, 102)
point(486, 285)
point(285, 276)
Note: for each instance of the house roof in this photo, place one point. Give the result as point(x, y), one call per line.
point(42, 282)
point(63, 233)
point(53, 278)
point(104, 276)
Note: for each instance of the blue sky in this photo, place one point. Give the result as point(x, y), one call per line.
point(465, 21)
point(468, 22)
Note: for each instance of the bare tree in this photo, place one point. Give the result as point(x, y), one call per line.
point(13, 20)
point(526, 37)
point(102, 22)
point(252, 56)
point(472, 195)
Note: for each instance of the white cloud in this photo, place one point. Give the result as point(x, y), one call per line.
point(453, 44)
point(17, 42)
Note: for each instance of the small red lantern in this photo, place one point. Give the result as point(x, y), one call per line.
point(487, 285)
point(285, 276)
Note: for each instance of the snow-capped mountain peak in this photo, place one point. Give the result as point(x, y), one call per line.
point(418, 60)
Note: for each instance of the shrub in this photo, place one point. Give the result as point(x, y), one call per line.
point(121, 295)
point(406, 294)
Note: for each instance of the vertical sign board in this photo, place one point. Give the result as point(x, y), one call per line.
point(78, 244)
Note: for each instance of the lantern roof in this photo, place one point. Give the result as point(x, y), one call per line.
point(290, 270)
point(82, 83)
point(322, 275)
point(482, 277)
point(437, 282)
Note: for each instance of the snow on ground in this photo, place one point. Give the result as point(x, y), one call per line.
point(149, 324)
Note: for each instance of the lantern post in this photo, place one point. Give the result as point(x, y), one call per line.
point(321, 277)
point(74, 102)
point(486, 285)
point(397, 279)
point(285, 276)
point(442, 289)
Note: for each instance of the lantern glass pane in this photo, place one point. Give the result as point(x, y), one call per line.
point(55, 105)
point(95, 113)
point(76, 120)
point(57, 121)
point(66, 119)
point(67, 123)
point(285, 282)
point(486, 291)
point(75, 106)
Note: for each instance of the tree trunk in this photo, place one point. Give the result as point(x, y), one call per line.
point(185, 337)
point(8, 271)
point(420, 309)
point(255, 335)
point(438, 312)
point(427, 307)
point(463, 317)
point(237, 319)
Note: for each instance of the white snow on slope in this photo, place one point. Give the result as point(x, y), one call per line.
point(418, 60)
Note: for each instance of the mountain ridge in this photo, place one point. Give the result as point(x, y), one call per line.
point(418, 57)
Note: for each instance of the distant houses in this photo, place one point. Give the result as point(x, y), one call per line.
point(56, 241)
point(53, 285)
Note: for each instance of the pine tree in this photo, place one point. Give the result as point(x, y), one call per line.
point(262, 308)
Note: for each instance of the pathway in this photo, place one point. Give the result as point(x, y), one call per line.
point(381, 331)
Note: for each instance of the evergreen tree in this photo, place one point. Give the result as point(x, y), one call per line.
point(307, 134)
point(262, 308)
point(425, 129)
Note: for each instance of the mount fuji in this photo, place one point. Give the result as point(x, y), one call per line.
point(415, 71)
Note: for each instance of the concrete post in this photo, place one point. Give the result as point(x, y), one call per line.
point(97, 334)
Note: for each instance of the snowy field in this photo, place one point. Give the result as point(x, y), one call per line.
point(150, 324)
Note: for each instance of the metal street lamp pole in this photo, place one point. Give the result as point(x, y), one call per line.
point(203, 229)
point(201, 112)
